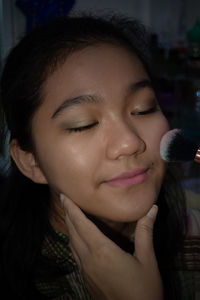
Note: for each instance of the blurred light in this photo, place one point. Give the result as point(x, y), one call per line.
point(198, 93)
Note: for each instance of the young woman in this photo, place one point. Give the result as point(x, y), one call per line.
point(85, 124)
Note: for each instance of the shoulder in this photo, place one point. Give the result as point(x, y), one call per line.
point(192, 199)
point(193, 213)
point(187, 263)
point(193, 221)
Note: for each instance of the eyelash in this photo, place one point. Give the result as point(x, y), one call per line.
point(89, 126)
point(145, 112)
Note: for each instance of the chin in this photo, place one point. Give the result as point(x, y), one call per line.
point(126, 219)
point(123, 217)
point(131, 215)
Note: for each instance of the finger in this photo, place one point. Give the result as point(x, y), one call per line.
point(76, 256)
point(79, 248)
point(77, 245)
point(85, 228)
point(144, 249)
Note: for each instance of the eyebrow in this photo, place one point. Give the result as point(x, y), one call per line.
point(84, 99)
point(140, 85)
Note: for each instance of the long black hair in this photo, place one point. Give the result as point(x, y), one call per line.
point(24, 205)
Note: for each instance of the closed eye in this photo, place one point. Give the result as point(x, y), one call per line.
point(145, 112)
point(82, 128)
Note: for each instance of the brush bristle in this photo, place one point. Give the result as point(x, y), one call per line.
point(175, 146)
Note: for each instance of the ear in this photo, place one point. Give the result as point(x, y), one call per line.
point(26, 163)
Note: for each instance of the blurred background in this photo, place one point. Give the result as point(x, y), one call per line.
point(175, 49)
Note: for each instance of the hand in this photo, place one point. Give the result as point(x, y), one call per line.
point(110, 272)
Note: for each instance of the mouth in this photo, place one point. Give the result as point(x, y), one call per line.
point(134, 177)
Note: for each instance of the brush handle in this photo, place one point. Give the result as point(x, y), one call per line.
point(197, 156)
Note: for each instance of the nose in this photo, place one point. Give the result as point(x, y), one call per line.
point(124, 140)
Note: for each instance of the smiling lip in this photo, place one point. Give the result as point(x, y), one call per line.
point(126, 179)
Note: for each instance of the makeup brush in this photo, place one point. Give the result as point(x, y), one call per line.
point(176, 147)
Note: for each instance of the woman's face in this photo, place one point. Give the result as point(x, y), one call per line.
point(97, 133)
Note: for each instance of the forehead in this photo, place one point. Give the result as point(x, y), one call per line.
point(102, 68)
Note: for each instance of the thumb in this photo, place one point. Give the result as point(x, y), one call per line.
point(144, 236)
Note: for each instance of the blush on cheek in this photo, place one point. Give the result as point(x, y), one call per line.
point(160, 129)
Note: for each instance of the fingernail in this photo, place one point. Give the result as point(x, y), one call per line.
point(62, 198)
point(153, 212)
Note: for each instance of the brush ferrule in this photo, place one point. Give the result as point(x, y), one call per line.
point(197, 156)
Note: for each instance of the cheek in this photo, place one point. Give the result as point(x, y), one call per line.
point(68, 164)
point(155, 131)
